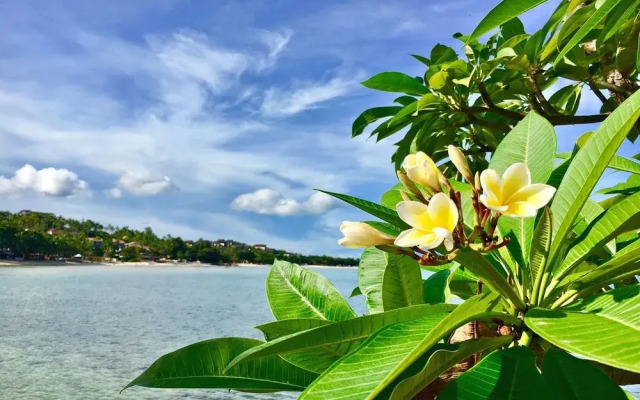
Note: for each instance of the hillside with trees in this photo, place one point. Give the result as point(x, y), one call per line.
point(30, 235)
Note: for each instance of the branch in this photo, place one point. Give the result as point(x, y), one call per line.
point(575, 120)
point(598, 93)
point(546, 106)
point(486, 98)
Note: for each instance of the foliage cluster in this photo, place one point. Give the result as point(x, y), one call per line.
point(25, 234)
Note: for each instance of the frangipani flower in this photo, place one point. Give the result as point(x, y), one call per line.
point(514, 195)
point(460, 161)
point(359, 235)
point(431, 224)
point(421, 169)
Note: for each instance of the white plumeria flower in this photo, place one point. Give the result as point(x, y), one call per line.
point(359, 235)
point(514, 195)
point(421, 169)
point(431, 224)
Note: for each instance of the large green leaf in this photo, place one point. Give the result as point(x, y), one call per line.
point(359, 374)
point(442, 360)
point(295, 292)
point(586, 168)
point(503, 12)
point(605, 327)
point(402, 282)
point(621, 217)
point(200, 365)
point(389, 280)
point(395, 82)
point(371, 115)
point(571, 378)
point(386, 355)
point(586, 27)
point(315, 360)
point(504, 374)
point(382, 212)
point(392, 196)
point(532, 142)
point(340, 337)
point(480, 267)
point(540, 244)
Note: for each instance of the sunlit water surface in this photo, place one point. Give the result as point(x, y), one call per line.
point(85, 332)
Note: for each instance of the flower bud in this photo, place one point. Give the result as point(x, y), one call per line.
point(421, 169)
point(460, 161)
point(359, 235)
point(407, 183)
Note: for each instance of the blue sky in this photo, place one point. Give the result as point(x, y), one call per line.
point(209, 119)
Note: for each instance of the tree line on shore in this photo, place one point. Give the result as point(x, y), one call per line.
point(44, 236)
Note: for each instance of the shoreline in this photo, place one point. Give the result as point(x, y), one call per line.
point(8, 263)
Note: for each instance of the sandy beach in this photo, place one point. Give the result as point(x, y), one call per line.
point(31, 263)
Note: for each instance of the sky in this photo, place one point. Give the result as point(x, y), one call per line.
point(210, 119)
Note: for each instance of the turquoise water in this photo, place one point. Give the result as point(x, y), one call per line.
point(85, 332)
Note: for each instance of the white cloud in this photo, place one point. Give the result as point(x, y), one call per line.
point(115, 193)
point(50, 181)
point(275, 41)
point(141, 183)
point(283, 102)
point(272, 202)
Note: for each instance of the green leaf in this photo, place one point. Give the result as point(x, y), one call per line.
point(382, 212)
point(428, 100)
point(200, 365)
point(617, 162)
point(392, 196)
point(395, 82)
point(504, 374)
point(356, 292)
point(623, 265)
point(295, 292)
point(402, 282)
point(503, 12)
point(387, 354)
point(340, 337)
point(371, 115)
point(605, 327)
point(442, 360)
point(540, 244)
point(585, 28)
point(586, 169)
point(384, 227)
point(532, 142)
point(621, 217)
point(571, 378)
point(362, 373)
point(436, 287)
point(389, 280)
point(314, 360)
point(480, 267)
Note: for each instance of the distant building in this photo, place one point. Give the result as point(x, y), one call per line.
point(262, 247)
point(25, 212)
point(55, 232)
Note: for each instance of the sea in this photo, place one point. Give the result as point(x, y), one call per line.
point(84, 332)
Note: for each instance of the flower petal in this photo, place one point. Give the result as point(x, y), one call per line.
point(537, 194)
point(360, 234)
point(410, 238)
point(490, 182)
point(415, 214)
point(443, 212)
point(514, 178)
point(521, 209)
point(446, 236)
point(430, 241)
point(492, 203)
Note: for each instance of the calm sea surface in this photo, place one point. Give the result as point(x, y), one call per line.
point(85, 332)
